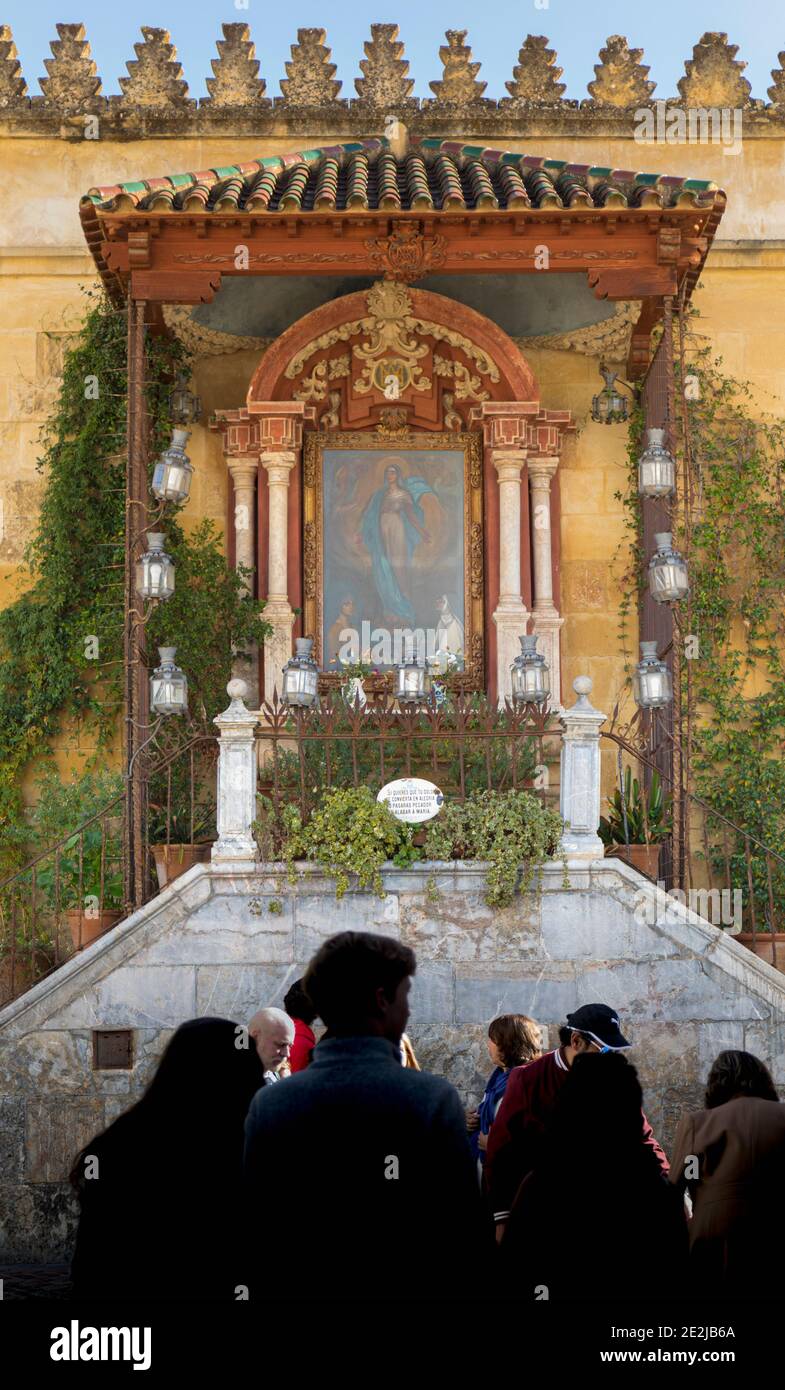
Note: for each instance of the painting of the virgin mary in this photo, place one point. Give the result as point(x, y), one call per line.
point(392, 526)
point(392, 542)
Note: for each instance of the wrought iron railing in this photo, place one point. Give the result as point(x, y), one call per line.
point(465, 744)
point(729, 875)
point(73, 891)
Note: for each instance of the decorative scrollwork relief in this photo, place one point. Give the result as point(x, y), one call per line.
point(309, 559)
point(467, 387)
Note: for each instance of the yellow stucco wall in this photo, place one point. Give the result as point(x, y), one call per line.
point(43, 262)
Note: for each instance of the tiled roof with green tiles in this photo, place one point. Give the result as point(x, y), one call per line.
point(434, 174)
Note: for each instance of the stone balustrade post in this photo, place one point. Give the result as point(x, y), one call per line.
point(236, 792)
point(580, 774)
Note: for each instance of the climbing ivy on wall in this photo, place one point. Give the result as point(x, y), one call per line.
point(61, 642)
point(736, 523)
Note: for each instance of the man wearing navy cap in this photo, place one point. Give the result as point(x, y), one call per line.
point(517, 1132)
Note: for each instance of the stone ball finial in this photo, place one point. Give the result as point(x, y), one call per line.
point(237, 689)
point(582, 685)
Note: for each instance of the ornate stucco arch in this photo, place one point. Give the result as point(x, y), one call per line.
point(395, 313)
point(457, 372)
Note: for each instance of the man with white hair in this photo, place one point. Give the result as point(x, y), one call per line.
point(273, 1034)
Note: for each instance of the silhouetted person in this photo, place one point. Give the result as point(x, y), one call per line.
point(730, 1157)
point(531, 1094)
point(596, 1219)
point(302, 1013)
point(160, 1189)
point(358, 1159)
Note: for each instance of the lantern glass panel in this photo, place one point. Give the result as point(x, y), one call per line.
point(168, 685)
point(184, 406)
point(656, 467)
point(668, 576)
point(154, 571)
point(412, 682)
point(301, 676)
point(173, 472)
point(651, 681)
point(529, 673)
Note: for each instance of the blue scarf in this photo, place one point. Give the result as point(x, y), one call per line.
point(494, 1090)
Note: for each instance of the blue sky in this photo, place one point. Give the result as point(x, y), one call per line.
point(577, 29)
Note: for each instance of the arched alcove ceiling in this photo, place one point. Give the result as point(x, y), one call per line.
point(522, 305)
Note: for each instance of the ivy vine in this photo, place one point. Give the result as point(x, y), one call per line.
point(732, 673)
point(61, 641)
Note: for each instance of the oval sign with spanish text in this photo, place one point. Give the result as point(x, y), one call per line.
point(412, 799)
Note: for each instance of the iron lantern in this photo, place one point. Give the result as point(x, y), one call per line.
point(155, 570)
point(301, 676)
point(530, 674)
point(609, 406)
point(168, 685)
point(668, 578)
point(651, 681)
point(656, 467)
point(173, 472)
point(184, 407)
point(412, 682)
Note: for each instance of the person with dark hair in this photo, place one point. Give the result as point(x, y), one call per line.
point(160, 1189)
point(359, 1159)
point(596, 1193)
point(514, 1040)
point(517, 1132)
point(302, 1013)
point(730, 1159)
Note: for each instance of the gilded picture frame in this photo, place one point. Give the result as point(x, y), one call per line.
point(321, 451)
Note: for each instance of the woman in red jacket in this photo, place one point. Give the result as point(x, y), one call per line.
point(302, 1013)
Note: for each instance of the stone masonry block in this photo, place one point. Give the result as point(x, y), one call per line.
point(432, 998)
point(317, 917)
point(464, 928)
point(228, 929)
point(236, 992)
point(55, 1132)
point(482, 994)
point(132, 996)
point(578, 925)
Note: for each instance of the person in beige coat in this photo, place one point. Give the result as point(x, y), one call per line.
point(730, 1159)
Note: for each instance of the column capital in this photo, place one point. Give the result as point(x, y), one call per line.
point(278, 464)
point(508, 464)
point(243, 469)
point(541, 468)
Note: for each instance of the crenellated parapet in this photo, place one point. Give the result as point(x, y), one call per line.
point(620, 78)
point(154, 97)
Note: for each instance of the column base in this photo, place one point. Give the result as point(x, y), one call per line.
point(510, 619)
point(547, 625)
point(582, 846)
point(278, 646)
point(234, 849)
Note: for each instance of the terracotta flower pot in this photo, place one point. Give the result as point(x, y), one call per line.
point(644, 858)
point(173, 860)
point(85, 929)
point(767, 946)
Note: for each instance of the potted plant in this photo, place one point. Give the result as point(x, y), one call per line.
point(637, 824)
point(82, 878)
point(179, 837)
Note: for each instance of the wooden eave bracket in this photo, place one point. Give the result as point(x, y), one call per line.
point(175, 287)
